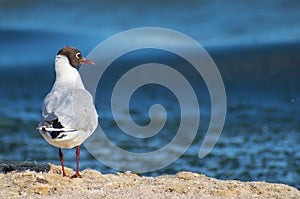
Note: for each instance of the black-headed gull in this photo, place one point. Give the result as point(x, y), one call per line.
point(69, 116)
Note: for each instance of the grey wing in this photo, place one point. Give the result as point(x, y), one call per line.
point(73, 108)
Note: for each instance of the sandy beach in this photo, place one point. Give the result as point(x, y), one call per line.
point(33, 180)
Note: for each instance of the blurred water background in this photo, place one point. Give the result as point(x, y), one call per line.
point(255, 44)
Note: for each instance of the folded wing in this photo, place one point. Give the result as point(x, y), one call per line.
point(72, 109)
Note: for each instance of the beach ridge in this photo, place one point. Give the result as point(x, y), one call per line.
point(33, 180)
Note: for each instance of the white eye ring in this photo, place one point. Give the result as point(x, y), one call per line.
point(78, 55)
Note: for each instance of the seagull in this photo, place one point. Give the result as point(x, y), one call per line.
point(68, 114)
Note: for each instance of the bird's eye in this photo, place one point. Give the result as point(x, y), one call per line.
point(78, 55)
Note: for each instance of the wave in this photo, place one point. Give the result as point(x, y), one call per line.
point(23, 48)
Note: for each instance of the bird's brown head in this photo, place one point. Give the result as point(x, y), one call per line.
point(74, 56)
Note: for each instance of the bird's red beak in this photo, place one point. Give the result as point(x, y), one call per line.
point(86, 61)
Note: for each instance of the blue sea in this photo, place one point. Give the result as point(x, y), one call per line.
point(255, 45)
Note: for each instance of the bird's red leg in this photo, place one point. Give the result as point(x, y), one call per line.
point(77, 174)
point(61, 158)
